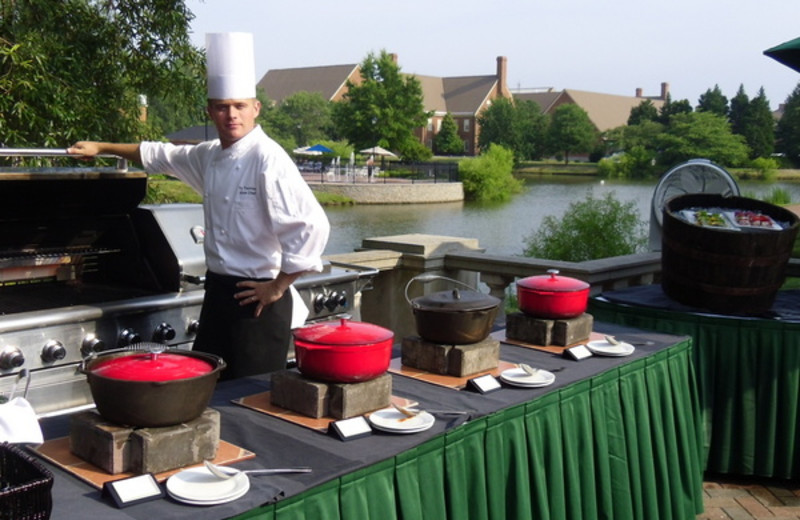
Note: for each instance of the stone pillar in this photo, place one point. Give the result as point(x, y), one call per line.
point(497, 287)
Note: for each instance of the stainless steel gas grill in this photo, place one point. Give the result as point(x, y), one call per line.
point(85, 268)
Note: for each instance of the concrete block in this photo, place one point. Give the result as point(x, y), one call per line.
point(293, 391)
point(154, 450)
point(99, 442)
point(432, 357)
point(351, 399)
point(525, 328)
point(465, 360)
point(573, 330)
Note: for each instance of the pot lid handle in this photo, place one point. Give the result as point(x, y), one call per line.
point(429, 277)
point(553, 272)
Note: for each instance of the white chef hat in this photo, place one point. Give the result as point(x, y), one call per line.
point(230, 65)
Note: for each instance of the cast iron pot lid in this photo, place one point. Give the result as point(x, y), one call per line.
point(456, 300)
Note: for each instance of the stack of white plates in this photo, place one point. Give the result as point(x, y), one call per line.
point(604, 348)
point(393, 421)
point(519, 377)
point(199, 487)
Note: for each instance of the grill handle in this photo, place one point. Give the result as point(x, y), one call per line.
point(122, 163)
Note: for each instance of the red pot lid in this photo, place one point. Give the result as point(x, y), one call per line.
point(343, 332)
point(550, 282)
point(145, 366)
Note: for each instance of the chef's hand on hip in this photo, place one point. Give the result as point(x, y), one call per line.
point(261, 294)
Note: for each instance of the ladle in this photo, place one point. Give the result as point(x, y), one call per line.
point(232, 472)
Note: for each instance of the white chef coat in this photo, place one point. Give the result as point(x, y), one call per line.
point(260, 215)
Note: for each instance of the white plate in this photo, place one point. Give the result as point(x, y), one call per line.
point(604, 348)
point(518, 377)
point(391, 420)
point(198, 486)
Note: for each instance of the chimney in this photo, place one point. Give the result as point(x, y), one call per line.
point(502, 72)
point(142, 108)
point(664, 90)
point(639, 92)
point(394, 57)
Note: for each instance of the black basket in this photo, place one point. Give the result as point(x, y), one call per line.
point(25, 486)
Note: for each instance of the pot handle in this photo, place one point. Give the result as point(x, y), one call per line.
point(429, 277)
point(145, 346)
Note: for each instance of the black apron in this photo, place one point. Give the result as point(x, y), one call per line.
point(247, 344)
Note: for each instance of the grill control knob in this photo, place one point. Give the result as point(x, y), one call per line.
point(333, 300)
point(128, 337)
point(11, 357)
point(320, 302)
point(193, 327)
point(53, 351)
point(91, 344)
point(163, 333)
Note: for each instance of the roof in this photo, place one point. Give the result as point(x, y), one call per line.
point(606, 111)
point(327, 80)
point(457, 95)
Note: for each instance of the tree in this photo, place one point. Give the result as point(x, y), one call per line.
point(497, 126)
point(788, 130)
point(713, 101)
point(645, 111)
point(384, 109)
point(759, 126)
point(76, 69)
point(589, 229)
point(671, 108)
point(488, 177)
point(571, 130)
point(701, 134)
point(447, 140)
point(738, 111)
point(304, 116)
point(531, 126)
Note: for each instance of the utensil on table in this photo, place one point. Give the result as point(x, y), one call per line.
point(615, 341)
point(528, 369)
point(409, 413)
point(219, 472)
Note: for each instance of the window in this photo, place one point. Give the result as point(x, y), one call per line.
point(466, 125)
point(430, 125)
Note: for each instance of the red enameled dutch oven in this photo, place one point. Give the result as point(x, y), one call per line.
point(343, 351)
point(552, 297)
point(151, 389)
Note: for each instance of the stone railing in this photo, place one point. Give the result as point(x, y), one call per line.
point(399, 259)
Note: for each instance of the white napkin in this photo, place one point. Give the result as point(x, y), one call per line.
point(18, 422)
point(299, 309)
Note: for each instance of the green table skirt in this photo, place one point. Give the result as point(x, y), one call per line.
point(749, 383)
point(621, 445)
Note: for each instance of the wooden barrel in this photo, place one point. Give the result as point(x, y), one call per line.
point(726, 270)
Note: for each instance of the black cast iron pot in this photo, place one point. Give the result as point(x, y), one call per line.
point(136, 387)
point(454, 317)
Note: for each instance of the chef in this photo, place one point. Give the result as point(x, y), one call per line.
point(264, 227)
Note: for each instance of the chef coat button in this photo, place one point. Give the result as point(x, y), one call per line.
point(227, 199)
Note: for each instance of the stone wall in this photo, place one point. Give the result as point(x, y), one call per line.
point(389, 193)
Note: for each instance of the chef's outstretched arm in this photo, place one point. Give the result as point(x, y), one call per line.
point(129, 151)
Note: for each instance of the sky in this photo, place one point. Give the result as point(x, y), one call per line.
point(611, 47)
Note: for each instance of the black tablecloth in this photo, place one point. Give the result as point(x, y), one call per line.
point(278, 443)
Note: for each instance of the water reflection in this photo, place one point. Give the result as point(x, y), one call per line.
point(500, 229)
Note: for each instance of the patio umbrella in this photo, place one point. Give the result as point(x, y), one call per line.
point(319, 148)
point(377, 150)
point(306, 150)
point(787, 53)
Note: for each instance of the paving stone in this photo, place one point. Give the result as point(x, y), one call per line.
point(525, 328)
point(465, 360)
point(95, 440)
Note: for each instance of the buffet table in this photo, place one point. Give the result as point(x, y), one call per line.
point(748, 374)
point(613, 437)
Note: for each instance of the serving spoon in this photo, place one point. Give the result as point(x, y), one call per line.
point(615, 341)
point(218, 472)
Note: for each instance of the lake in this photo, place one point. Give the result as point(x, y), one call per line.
point(500, 229)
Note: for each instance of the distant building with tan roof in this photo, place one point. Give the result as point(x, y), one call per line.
point(464, 97)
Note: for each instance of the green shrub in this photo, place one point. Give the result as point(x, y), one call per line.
point(590, 229)
point(488, 177)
